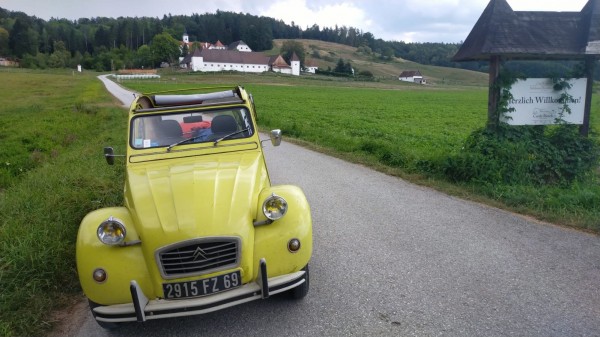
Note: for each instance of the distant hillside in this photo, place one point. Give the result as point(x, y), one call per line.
point(105, 44)
point(326, 54)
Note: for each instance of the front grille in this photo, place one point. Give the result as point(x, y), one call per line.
point(196, 257)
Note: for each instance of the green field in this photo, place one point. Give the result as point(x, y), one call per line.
point(405, 124)
point(52, 171)
point(53, 127)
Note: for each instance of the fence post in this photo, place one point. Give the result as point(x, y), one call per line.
point(584, 129)
point(494, 93)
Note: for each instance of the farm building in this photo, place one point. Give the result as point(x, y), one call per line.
point(239, 46)
point(8, 63)
point(226, 60)
point(310, 67)
point(279, 65)
point(413, 76)
point(236, 57)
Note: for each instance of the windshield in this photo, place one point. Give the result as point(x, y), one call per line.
point(198, 127)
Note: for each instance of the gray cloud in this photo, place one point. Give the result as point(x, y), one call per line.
point(406, 20)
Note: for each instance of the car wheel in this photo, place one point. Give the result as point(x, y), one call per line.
point(300, 291)
point(105, 325)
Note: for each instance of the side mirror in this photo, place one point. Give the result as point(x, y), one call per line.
point(109, 154)
point(275, 137)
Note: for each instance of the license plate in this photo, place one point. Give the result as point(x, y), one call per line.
point(202, 287)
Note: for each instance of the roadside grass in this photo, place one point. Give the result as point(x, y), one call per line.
point(53, 128)
point(407, 131)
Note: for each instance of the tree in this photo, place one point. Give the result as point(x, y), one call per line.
point(340, 66)
point(366, 74)
point(102, 37)
point(185, 50)
point(165, 48)
point(23, 38)
point(61, 57)
point(144, 57)
point(387, 53)
point(289, 47)
point(4, 36)
point(344, 67)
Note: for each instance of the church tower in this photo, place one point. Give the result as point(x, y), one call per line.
point(295, 63)
point(186, 37)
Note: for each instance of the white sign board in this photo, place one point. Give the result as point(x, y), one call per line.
point(537, 103)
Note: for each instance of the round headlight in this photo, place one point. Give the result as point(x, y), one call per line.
point(111, 232)
point(275, 207)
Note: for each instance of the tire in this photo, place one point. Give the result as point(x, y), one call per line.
point(300, 291)
point(104, 325)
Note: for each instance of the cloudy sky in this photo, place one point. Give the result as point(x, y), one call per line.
point(400, 20)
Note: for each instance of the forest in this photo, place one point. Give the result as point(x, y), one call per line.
point(106, 44)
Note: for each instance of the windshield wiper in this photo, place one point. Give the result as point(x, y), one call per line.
point(229, 135)
point(183, 142)
point(187, 140)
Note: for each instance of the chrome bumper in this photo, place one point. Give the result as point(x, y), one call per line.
point(142, 309)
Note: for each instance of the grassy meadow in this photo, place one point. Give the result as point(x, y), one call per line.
point(53, 126)
point(405, 125)
point(52, 172)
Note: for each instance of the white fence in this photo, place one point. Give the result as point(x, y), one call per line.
point(136, 77)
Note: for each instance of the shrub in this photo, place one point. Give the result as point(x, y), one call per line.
point(524, 155)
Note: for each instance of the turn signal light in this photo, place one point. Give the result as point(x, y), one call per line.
point(294, 245)
point(99, 275)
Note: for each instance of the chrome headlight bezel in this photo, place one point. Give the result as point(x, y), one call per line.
point(274, 207)
point(111, 232)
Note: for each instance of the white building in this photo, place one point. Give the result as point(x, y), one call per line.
point(236, 57)
point(279, 65)
point(239, 46)
point(217, 45)
point(413, 76)
point(226, 60)
point(310, 67)
point(295, 63)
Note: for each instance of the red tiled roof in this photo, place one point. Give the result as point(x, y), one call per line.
point(278, 62)
point(410, 73)
point(233, 56)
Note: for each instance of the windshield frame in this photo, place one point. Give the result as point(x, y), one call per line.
point(142, 125)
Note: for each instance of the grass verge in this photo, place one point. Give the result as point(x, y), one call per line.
point(54, 126)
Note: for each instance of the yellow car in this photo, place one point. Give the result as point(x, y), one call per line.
point(202, 228)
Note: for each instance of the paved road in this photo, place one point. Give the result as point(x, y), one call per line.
point(122, 94)
point(395, 259)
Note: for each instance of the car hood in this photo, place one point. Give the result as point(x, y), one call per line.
point(186, 198)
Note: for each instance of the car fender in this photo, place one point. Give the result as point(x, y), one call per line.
point(121, 263)
point(271, 239)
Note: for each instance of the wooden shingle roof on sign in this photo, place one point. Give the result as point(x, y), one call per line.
point(533, 35)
